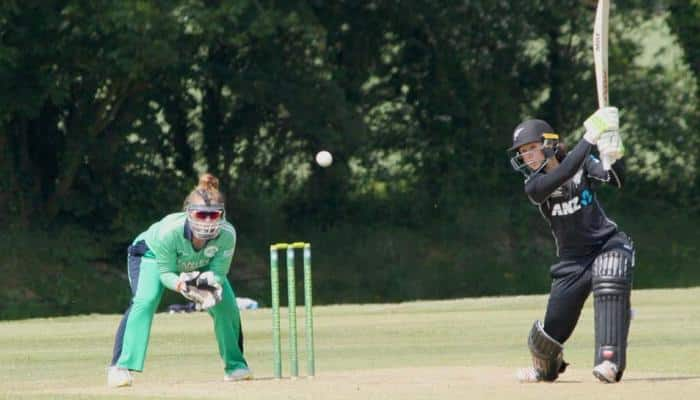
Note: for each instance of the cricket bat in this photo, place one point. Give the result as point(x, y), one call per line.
point(600, 58)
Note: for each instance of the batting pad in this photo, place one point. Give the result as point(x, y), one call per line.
point(547, 353)
point(612, 284)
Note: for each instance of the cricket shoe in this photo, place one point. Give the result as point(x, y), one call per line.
point(240, 374)
point(606, 372)
point(118, 377)
point(531, 375)
point(528, 375)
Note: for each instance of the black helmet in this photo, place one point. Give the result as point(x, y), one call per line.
point(530, 131)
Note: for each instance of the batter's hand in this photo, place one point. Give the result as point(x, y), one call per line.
point(606, 119)
point(611, 148)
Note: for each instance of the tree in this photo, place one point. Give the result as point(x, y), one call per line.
point(63, 102)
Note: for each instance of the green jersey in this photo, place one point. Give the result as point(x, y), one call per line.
point(169, 242)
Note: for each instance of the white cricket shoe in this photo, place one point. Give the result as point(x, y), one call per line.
point(606, 372)
point(118, 377)
point(531, 375)
point(528, 375)
point(240, 374)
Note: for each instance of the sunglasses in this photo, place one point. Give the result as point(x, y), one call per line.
point(207, 214)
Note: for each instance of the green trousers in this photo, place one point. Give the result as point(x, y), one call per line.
point(133, 334)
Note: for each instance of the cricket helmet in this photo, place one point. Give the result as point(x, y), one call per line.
point(205, 220)
point(533, 131)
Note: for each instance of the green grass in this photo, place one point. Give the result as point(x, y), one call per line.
point(437, 349)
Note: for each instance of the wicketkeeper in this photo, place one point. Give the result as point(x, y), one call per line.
point(593, 253)
point(189, 252)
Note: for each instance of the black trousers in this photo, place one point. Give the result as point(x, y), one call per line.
point(571, 285)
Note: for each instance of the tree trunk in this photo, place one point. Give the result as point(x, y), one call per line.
point(81, 131)
point(552, 109)
point(211, 130)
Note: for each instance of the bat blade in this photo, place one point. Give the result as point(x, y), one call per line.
point(600, 51)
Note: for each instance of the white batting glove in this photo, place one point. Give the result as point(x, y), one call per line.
point(610, 148)
point(604, 120)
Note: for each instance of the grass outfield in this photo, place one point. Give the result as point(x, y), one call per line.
point(452, 349)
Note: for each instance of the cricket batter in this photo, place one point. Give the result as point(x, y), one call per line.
point(592, 252)
point(189, 252)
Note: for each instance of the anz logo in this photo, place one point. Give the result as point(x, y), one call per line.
point(586, 197)
point(571, 206)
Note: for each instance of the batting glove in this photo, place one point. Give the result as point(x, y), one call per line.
point(605, 119)
point(610, 148)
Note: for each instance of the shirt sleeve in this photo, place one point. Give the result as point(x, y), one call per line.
point(615, 176)
point(164, 250)
point(169, 278)
point(540, 186)
point(221, 262)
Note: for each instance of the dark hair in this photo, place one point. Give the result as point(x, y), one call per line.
point(208, 189)
point(561, 151)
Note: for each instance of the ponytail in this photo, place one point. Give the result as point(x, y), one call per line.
point(207, 189)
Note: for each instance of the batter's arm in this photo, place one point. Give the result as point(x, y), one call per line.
point(540, 187)
point(614, 176)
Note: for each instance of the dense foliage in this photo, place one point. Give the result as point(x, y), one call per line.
point(109, 110)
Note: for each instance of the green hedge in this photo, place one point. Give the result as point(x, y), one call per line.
point(486, 249)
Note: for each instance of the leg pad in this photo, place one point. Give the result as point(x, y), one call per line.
point(612, 284)
point(547, 353)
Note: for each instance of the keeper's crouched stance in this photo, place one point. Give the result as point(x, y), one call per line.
point(189, 252)
point(594, 255)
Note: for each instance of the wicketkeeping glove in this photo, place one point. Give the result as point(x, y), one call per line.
point(201, 288)
point(207, 281)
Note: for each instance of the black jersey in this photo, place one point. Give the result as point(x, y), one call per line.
point(567, 200)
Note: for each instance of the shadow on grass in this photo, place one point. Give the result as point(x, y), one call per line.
point(649, 379)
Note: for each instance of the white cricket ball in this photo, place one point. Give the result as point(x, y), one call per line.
point(324, 158)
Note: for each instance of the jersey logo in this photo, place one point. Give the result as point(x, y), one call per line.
point(586, 197)
point(566, 208)
point(187, 266)
point(517, 133)
point(210, 251)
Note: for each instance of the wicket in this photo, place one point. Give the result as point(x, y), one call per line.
point(291, 305)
